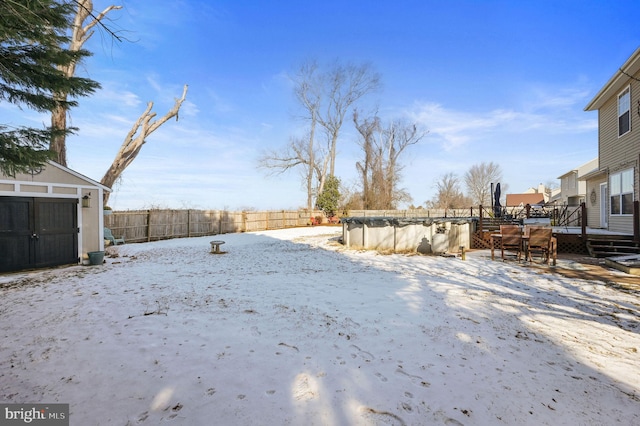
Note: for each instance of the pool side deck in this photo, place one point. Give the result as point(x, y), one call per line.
point(590, 231)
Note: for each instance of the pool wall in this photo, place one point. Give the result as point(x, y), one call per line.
point(424, 235)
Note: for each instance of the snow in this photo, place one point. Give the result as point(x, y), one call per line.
point(288, 327)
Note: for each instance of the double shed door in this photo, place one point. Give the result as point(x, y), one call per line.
point(37, 232)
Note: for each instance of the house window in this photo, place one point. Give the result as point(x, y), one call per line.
point(624, 111)
point(621, 192)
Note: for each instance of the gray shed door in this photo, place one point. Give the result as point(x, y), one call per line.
point(37, 232)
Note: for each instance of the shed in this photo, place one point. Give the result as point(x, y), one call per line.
point(49, 217)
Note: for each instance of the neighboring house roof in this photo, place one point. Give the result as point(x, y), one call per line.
point(568, 173)
point(556, 194)
point(584, 169)
point(514, 200)
point(616, 83)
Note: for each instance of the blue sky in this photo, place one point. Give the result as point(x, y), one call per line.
point(501, 81)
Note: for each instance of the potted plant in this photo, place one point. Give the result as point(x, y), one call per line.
point(107, 210)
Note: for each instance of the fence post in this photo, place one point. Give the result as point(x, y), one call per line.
point(189, 223)
point(148, 225)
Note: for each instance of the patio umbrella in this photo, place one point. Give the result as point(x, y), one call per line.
point(497, 208)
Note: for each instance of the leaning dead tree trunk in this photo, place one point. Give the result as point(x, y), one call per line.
point(80, 34)
point(134, 140)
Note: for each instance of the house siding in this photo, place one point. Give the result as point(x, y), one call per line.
point(620, 153)
point(593, 209)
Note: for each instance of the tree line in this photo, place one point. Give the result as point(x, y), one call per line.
point(478, 182)
point(326, 98)
point(42, 42)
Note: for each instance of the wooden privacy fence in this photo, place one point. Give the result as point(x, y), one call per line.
point(156, 224)
point(152, 225)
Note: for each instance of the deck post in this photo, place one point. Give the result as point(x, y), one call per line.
point(636, 221)
point(583, 220)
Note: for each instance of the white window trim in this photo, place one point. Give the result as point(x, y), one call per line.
point(628, 88)
point(621, 193)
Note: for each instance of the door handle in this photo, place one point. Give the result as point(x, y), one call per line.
point(35, 236)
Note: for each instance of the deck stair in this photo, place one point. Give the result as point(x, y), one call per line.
point(611, 245)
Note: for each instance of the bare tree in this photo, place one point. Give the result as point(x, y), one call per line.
point(83, 25)
point(449, 195)
point(351, 197)
point(344, 84)
point(550, 187)
point(367, 129)
point(380, 169)
point(137, 137)
point(301, 152)
point(478, 180)
point(297, 154)
point(308, 93)
point(325, 98)
point(398, 137)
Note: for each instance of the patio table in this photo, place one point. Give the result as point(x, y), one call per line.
point(553, 251)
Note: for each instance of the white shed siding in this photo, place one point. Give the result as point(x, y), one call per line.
point(55, 181)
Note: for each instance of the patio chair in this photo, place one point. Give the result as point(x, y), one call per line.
point(114, 240)
point(539, 242)
point(528, 228)
point(511, 240)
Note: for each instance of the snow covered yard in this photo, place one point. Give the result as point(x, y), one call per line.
point(290, 328)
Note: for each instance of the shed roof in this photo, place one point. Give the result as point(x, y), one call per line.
point(79, 176)
point(55, 173)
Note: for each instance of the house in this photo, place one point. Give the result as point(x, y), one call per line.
point(549, 194)
point(521, 200)
point(51, 216)
point(573, 188)
point(613, 187)
point(533, 196)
